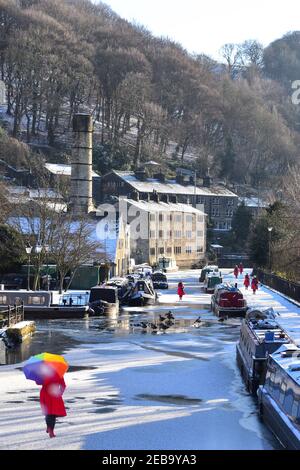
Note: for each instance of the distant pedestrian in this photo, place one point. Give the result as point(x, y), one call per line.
point(180, 290)
point(241, 268)
point(247, 281)
point(254, 284)
point(236, 271)
point(65, 302)
point(71, 301)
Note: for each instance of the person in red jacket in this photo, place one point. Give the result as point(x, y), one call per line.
point(236, 271)
point(180, 290)
point(254, 284)
point(241, 268)
point(247, 281)
point(51, 401)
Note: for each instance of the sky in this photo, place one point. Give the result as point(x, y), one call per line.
point(203, 26)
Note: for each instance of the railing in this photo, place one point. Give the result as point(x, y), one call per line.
point(288, 288)
point(12, 316)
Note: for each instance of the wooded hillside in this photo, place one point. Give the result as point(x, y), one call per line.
point(150, 99)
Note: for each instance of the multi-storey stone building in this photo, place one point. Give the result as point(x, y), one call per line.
point(219, 202)
point(173, 232)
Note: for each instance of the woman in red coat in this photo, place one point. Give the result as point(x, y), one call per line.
point(51, 401)
point(241, 268)
point(180, 290)
point(236, 271)
point(254, 284)
point(247, 281)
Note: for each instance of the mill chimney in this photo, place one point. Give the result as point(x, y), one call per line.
point(81, 174)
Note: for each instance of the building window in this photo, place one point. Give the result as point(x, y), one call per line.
point(200, 249)
point(199, 233)
point(178, 218)
point(161, 217)
point(152, 217)
point(216, 200)
point(169, 250)
point(189, 218)
point(152, 234)
point(169, 234)
point(230, 202)
point(216, 212)
point(188, 250)
point(188, 234)
point(152, 251)
point(229, 212)
point(161, 234)
point(200, 218)
point(177, 250)
point(161, 250)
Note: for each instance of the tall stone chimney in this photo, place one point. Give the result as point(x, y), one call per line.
point(81, 174)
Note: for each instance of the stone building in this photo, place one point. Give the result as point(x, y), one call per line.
point(219, 202)
point(173, 232)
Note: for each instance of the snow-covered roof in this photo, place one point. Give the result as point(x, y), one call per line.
point(151, 206)
point(253, 202)
point(171, 186)
point(63, 170)
point(289, 362)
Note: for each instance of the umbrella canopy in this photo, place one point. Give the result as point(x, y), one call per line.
point(45, 366)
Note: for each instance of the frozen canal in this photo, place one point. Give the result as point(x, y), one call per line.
point(129, 390)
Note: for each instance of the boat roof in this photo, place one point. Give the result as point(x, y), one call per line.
point(259, 329)
point(210, 266)
point(288, 358)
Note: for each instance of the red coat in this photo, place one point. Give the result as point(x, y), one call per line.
point(51, 397)
point(241, 268)
point(180, 291)
point(236, 272)
point(247, 281)
point(254, 284)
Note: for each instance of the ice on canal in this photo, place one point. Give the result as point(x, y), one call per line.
point(128, 390)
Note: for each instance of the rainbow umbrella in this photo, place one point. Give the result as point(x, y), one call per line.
point(45, 366)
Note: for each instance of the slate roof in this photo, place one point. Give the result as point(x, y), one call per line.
point(171, 186)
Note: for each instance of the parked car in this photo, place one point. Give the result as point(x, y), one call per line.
point(228, 300)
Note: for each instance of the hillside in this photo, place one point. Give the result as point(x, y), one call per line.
point(149, 98)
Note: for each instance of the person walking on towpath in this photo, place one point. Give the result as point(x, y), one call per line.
point(48, 370)
point(180, 290)
point(254, 284)
point(241, 268)
point(52, 403)
point(247, 281)
point(236, 272)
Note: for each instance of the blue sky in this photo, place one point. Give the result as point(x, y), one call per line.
point(204, 26)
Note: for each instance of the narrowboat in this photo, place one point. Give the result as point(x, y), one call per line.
point(211, 281)
point(159, 280)
point(142, 293)
point(123, 285)
point(104, 300)
point(228, 300)
point(279, 396)
point(206, 270)
point(260, 336)
point(40, 305)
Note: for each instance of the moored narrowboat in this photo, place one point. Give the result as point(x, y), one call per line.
point(279, 396)
point(260, 336)
point(228, 300)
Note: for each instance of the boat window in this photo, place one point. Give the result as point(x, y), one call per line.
point(288, 402)
point(282, 392)
point(36, 300)
point(295, 407)
point(3, 299)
